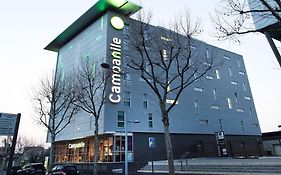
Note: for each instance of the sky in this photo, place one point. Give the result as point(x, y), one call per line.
point(26, 27)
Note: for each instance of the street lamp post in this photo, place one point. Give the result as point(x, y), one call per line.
point(279, 137)
point(126, 142)
point(126, 145)
point(107, 66)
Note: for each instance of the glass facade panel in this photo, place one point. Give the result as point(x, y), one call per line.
point(83, 150)
point(144, 103)
point(78, 151)
point(229, 103)
point(127, 99)
point(215, 94)
point(218, 74)
point(90, 44)
point(121, 119)
point(150, 121)
point(196, 106)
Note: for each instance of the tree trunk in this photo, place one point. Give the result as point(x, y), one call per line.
point(52, 151)
point(169, 148)
point(96, 147)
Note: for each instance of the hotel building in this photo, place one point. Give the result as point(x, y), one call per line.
point(215, 115)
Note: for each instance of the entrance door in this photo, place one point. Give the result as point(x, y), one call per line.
point(277, 150)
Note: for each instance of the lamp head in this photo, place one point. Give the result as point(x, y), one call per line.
point(105, 65)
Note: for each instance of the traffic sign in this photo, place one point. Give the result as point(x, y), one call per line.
point(7, 124)
point(151, 142)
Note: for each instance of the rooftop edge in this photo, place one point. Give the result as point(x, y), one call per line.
point(123, 7)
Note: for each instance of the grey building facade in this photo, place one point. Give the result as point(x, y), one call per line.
point(215, 116)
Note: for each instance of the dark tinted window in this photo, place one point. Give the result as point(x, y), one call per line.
point(70, 168)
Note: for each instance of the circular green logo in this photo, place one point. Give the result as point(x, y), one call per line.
point(117, 22)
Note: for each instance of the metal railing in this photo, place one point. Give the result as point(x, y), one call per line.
point(182, 158)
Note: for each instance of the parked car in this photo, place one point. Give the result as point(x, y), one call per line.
point(32, 169)
point(14, 170)
point(67, 169)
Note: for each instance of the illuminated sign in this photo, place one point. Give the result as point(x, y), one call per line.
point(116, 54)
point(76, 145)
point(117, 22)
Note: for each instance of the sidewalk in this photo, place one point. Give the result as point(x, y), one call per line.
point(225, 161)
point(217, 165)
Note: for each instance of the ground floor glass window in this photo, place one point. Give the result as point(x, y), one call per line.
point(111, 149)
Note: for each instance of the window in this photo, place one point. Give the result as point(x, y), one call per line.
point(193, 47)
point(150, 122)
point(195, 76)
point(209, 77)
point(142, 80)
point(226, 57)
point(198, 89)
point(234, 83)
point(242, 126)
point(203, 122)
point(251, 113)
point(147, 66)
point(146, 35)
point(230, 71)
point(207, 53)
point(207, 63)
point(240, 110)
point(215, 106)
point(170, 101)
point(244, 86)
point(241, 73)
point(236, 97)
point(218, 74)
point(165, 38)
point(127, 77)
point(196, 106)
point(127, 99)
point(215, 94)
point(229, 103)
point(165, 54)
point(247, 98)
point(169, 87)
point(144, 103)
point(220, 123)
point(121, 119)
point(238, 63)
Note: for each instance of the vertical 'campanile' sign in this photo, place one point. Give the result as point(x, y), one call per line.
point(116, 54)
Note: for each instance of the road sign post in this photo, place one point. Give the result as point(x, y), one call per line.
point(9, 125)
point(151, 145)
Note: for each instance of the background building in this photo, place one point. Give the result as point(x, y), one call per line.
point(215, 116)
point(267, 22)
point(272, 143)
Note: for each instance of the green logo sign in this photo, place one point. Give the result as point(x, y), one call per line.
point(117, 22)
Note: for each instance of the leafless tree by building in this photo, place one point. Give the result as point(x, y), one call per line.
point(233, 18)
point(53, 103)
point(91, 91)
point(168, 62)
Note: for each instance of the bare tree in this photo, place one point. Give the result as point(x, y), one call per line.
point(91, 93)
point(234, 17)
point(53, 103)
point(167, 62)
point(33, 154)
point(22, 143)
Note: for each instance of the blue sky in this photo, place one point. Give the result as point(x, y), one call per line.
point(28, 26)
